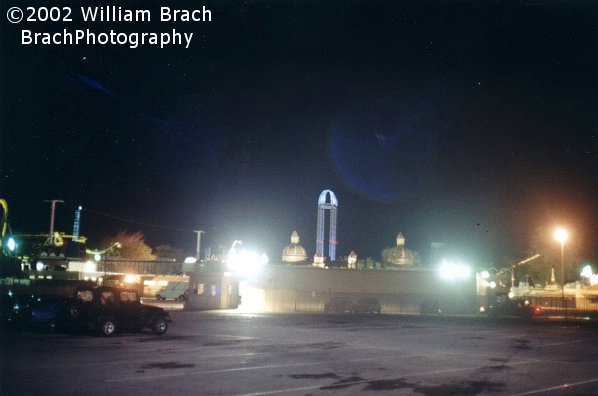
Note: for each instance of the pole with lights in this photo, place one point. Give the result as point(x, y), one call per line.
point(52, 212)
point(561, 235)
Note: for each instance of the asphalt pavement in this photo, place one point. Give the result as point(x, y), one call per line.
point(231, 353)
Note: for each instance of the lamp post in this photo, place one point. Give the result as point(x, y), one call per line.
point(53, 202)
point(561, 235)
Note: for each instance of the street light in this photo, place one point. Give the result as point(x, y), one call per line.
point(561, 235)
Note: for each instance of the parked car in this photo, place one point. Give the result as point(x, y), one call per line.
point(339, 305)
point(174, 291)
point(44, 312)
point(368, 305)
point(107, 309)
point(15, 310)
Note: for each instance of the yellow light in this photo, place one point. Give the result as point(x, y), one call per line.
point(561, 235)
point(130, 278)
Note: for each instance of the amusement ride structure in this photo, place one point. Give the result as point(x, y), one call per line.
point(323, 206)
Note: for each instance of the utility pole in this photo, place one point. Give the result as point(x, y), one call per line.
point(198, 232)
point(53, 201)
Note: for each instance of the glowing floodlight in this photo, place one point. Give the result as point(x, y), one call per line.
point(90, 266)
point(130, 278)
point(12, 244)
point(190, 260)
point(245, 263)
point(586, 272)
point(454, 271)
point(561, 235)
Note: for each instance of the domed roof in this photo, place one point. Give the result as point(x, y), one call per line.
point(294, 253)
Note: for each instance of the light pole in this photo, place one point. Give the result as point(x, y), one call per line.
point(198, 232)
point(561, 235)
point(53, 202)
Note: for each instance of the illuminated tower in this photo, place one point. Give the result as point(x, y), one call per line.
point(323, 205)
point(76, 224)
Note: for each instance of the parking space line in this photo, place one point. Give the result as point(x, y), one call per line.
point(234, 369)
point(558, 387)
point(301, 364)
point(566, 342)
point(424, 373)
point(117, 362)
point(231, 336)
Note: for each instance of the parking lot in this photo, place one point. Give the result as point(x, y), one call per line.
point(234, 353)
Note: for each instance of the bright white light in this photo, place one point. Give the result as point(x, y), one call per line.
point(39, 266)
point(252, 299)
point(97, 257)
point(492, 285)
point(12, 245)
point(453, 271)
point(485, 274)
point(586, 272)
point(561, 235)
point(90, 266)
point(130, 278)
point(594, 279)
point(246, 263)
point(511, 294)
point(190, 260)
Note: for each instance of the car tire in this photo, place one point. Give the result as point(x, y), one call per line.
point(159, 326)
point(106, 327)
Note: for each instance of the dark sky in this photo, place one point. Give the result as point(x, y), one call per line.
point(471, 123)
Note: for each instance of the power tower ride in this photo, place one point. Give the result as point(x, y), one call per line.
point(323, 205)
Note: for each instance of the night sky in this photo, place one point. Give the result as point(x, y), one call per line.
point(470, 123)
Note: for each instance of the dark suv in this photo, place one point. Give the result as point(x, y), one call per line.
point(107, 310)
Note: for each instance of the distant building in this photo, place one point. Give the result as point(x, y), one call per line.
point(294, 253)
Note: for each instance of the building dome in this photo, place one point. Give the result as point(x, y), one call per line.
point(294, 253)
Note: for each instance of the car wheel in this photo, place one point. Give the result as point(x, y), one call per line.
point(159, 326)
point(106, 327)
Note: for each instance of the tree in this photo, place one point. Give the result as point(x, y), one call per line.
point(167, 252)
point(133, 246)
point(399, 256)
